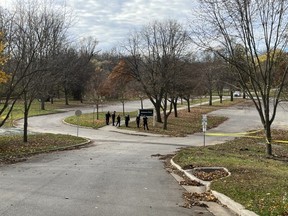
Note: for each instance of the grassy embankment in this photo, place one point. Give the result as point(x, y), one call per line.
point(257, 182)
point(12, 147)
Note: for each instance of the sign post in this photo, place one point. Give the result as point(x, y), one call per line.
point(78, 113)
point(94, 107)
point(204, 125)
point(147, 112)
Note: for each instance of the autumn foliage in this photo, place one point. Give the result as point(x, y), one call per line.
point(118, 81)
point(3, 76)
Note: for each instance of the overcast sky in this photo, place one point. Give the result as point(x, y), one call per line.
point(110, 21)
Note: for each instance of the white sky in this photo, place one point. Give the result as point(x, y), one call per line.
point(110, 21)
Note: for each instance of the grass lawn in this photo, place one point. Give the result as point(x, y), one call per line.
point(86, 120)
point(18, 111)
point(257, 182)
point(13, 149)
point(187, 122)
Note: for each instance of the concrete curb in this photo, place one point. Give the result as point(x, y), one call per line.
point(225, 200)
point(73, 146)
point(231, 204)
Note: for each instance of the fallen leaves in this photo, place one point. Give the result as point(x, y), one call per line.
point(196, 199)
point(210, 175)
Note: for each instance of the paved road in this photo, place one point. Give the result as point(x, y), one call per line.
point(115, 175)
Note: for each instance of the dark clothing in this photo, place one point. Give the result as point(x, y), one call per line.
point(113, 118)
point(127, 119)
point(145, 122)
point(107, 116)
point(118, 121)
point(138, 121)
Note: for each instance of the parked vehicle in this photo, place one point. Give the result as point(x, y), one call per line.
point(237, 94)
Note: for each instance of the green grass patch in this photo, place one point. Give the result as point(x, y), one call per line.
point(187, 122)
point(257, 182)
point(90, 119)
point(18, 109)
point(86, 120)
point(12, 148)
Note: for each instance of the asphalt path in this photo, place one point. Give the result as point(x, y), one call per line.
point(114, 175)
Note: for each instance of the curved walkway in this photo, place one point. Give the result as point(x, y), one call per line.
point(115, 175)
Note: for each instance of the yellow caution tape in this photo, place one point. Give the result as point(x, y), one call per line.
point(246, 135)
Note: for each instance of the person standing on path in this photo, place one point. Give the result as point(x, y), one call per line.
point(107, 116)
point(145, 122)
point(118, 121)
point(127, 119)
point(113, 118)
point(138, 121)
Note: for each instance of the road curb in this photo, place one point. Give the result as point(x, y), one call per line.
point(225, 200)
point(74, 146)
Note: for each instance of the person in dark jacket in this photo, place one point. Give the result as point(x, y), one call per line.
point(145, 122)
point(113, 118)
point(138, 121)
point(118, 121)
point(107, 116)
point(127, 119)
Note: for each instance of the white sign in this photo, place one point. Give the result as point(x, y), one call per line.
point(204, 122)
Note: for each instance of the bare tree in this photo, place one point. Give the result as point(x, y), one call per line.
point(34, 33)
point(153, 53)
point(94, 87)
point(258, 30)
point(10, 90)
point(75, 68)
point(83, 68)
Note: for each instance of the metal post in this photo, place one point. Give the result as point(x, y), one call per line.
point(204, 138)
point(94, 106)
point(77, 125)
point(154, 118)
point(204, 126)
point(78, 113)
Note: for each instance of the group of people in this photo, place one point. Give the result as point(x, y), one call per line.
point(118, 119)
point(127, 119)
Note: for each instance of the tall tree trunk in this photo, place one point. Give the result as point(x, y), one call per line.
point(221, 99)
point(66, 96)
point(188, 104)
point(158, 114)
point(166, 114)
point(25, 130)
point(123, 107)
point(210, 97)
point(25, 126)
point(231, 95)
point(42, 103)
point(175, 108)
point(81, 98)
point(97, 108)
point(268, 140)
point(165, 123)
point(157, 106)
